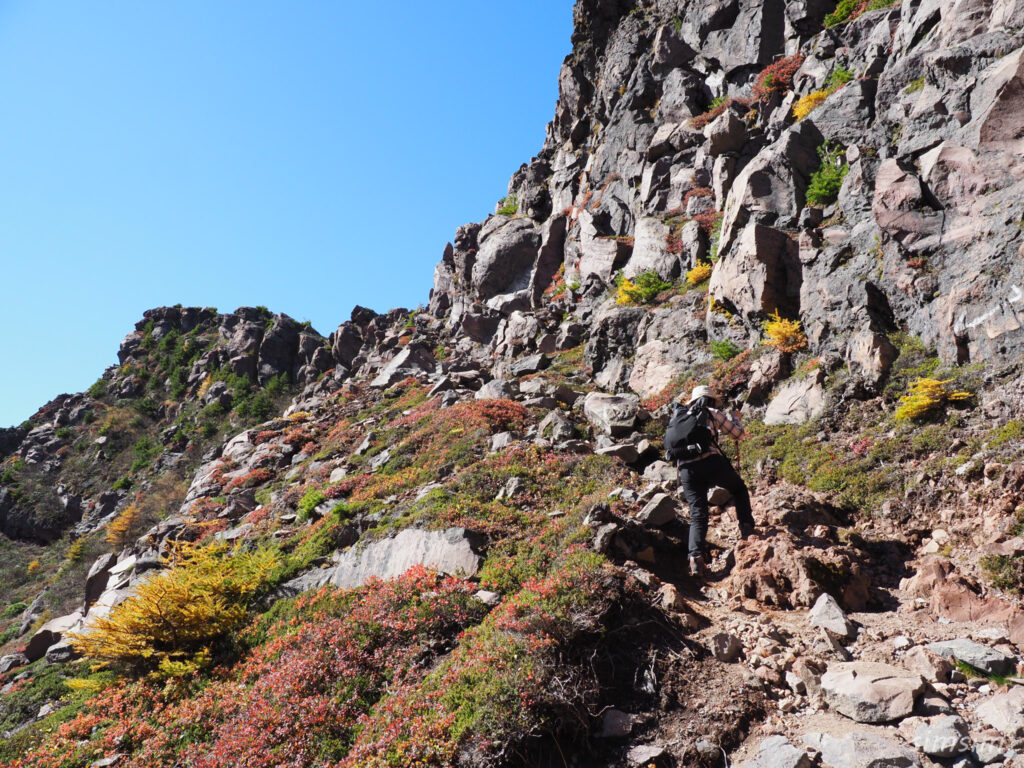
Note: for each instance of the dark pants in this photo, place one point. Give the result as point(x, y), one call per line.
point(696, 478)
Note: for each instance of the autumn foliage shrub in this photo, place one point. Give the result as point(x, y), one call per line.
point(777, 77)
point(699, 273)
point(784, 335)
point(120, 529)
point(169, 623)
point(641, 289)
point(925, 396)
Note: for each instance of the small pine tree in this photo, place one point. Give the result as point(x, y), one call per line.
point(784, 335)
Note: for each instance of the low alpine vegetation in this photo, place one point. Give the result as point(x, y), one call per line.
point(824, 185)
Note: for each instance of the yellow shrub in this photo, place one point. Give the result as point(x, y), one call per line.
point(699, 274)
point(204, 387)
point(119, 530)
point(625, 293)
point(33, 567)
point(168, 624)
point(924, 396)
point(784, 335)
point(299, 416)
point(807, 104)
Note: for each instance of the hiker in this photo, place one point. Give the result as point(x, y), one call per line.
point(692, 442)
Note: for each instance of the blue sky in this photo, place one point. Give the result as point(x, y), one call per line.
point(307, 156)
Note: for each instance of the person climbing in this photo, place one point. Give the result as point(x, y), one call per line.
point(692, 442)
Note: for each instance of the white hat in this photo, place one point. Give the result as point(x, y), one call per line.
point(702, 391)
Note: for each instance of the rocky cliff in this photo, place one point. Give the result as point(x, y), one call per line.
point(447, 537)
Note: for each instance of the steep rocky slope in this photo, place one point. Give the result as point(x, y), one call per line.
point(446, 537)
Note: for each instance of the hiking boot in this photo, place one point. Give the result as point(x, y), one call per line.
point(746, 531)
point(699, 568)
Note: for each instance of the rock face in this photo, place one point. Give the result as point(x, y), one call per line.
point(448, 551)
point(869, 692)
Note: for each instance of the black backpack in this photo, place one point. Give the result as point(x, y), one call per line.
point(688, 435)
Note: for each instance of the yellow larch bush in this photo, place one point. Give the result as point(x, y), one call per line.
point(699, 273)
point(807, 104)
point(785, 335)
point(167, 626)
point(925, 396)
point(119, 530)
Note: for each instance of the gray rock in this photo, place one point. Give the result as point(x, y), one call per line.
point(413, 360)
point(12, 661)
point(930, 665)
point(979, 656)
point(726, 133)
point(50, 634)
point(495, 389)
point(530, 364)
point(760, 274)
point(627, 452)
point(870, 692)
point(861, 750)
point(726, 647)
point(616, 724)
point(556, 426)
point(827, 614)
point(452, 551)
point(660, 510)
point(645, 754)
point(650, 251)
point(798, 402)
point(986, 752)
point(506, 257)
point(943, 736)
point(1004, 712)
point(60, 653)
point(615, 415)
point(778, 752)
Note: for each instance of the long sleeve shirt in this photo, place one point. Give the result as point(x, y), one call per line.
point(721, 423)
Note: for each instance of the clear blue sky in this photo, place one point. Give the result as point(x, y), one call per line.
point(307, 156)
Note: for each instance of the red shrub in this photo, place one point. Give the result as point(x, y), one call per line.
point(777, 77)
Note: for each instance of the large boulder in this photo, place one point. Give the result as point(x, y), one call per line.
point(506, 257)
point(614, 415)
point(413, 360)
point(870, 692)
point(760, 275)
point(827, 615)
point(650, 251)
point(1004, 712)
point(798, 402)
point(50, 634)
point(453, 551)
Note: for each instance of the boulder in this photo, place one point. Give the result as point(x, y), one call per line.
point(413, 360)
point(799, 401)
point(1004, 712)
point(943, 736)
point(99, 573)
point(979, 656)
point(615, 415)
point(760, 274)
point(778, 752)
point(556, 427)
point(50, 634)
point(495, 389)
point(930, 665)
point(870, 692)
point(726, 133)
point(12, 661)
point(862, 750)
point(650, 251)
point(506, 257)
point(452, 551)
point(827, 615)
point(60, 653)
point(660, 510)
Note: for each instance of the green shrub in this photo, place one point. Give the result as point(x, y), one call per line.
point(725, 349)
point(311, 499)
point(843, 12)
point(876, 5)
point(14, 609)
point(98, 389)
point(824, 185)
point(641, 289)
point(840, 76)
point(508, 206)
point(915, 85)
